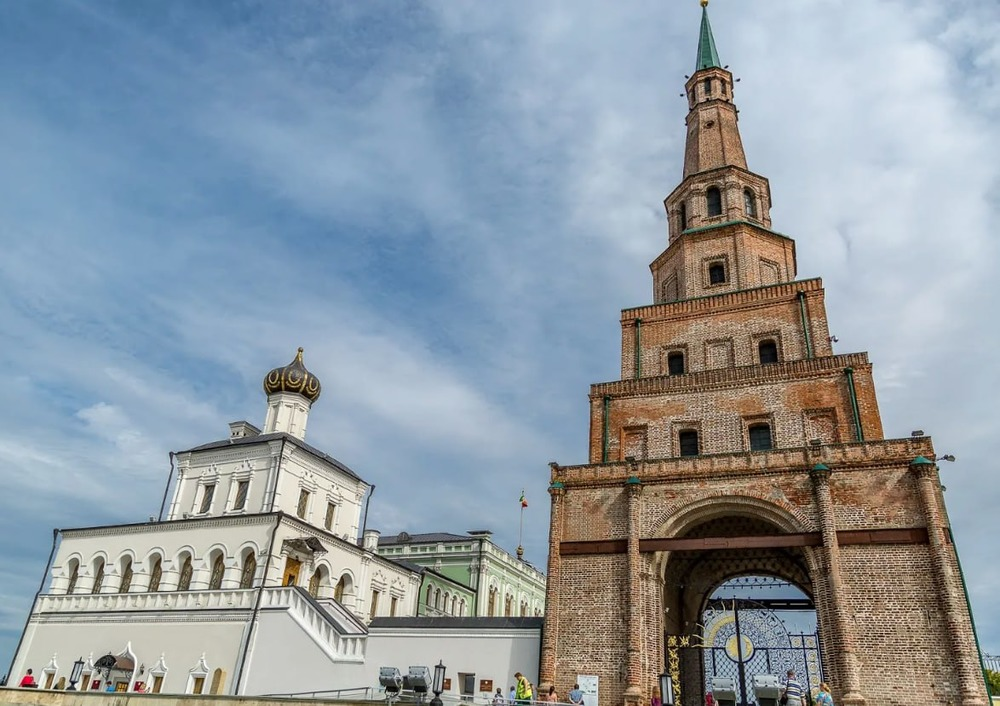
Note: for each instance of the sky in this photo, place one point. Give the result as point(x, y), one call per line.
point(447, 204)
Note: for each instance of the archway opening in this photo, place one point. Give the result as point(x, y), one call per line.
point(736, 608)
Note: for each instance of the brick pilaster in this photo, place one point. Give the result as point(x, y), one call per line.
point(633, 666)
point(550, 634)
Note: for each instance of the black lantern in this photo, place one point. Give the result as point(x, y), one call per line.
point(667, 689)
point(74, 676)
point(438, 687)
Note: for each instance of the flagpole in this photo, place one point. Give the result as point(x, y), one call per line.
point(520, 529)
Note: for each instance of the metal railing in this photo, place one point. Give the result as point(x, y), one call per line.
point(360, 693)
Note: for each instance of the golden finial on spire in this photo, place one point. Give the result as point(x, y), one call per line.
point(704, 3)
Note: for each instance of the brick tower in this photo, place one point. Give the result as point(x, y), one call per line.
point(737, 443)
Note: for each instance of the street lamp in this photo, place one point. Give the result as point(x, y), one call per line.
point(438, 687)
point(667, 689)
point(74, 676)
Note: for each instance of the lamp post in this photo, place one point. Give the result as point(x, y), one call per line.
point(438, 686)
point(667, 689)
point(74, 676)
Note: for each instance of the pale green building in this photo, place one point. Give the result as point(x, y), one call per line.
point(468, 575)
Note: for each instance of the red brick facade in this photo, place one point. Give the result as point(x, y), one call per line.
point(736, 428)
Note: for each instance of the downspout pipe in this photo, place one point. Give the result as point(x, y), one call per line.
point(604, 429)
point(166, 490)
point(968, 603)
point(638, 348)
point(849, 372)
point(364, 524)
point(805, 323)
point(277, 472)
point(245, 652)
point(41, 587)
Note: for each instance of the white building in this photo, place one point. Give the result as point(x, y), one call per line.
point(252, 583)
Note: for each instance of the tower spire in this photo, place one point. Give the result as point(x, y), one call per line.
point(708, 57)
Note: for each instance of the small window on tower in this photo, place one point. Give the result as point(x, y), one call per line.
point(760, 437)
point(688, 442)
point(750, 203)
point(683, 215)
point(713, 198)
point(708, 86)
point(675, 363)
point(716, 273)
point(768, 351)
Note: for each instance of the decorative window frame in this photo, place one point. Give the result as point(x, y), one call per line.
point(753, 420)
point(49, 673)
point(679, 425)
point(707, 262)
point(628, 431)
point(243, 474)
point(200, 669)
point(732, 353)
point(665, 352)
point(758, 338)
point(160, 670)
point(209, 477)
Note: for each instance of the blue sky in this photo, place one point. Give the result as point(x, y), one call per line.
point(447, 204)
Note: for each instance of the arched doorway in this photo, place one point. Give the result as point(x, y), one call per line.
point(737, 608)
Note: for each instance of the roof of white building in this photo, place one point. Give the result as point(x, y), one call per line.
point(265, 438)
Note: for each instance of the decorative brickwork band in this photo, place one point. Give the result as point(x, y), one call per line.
point(550, 636)
point(958, 623)
point(846, 657)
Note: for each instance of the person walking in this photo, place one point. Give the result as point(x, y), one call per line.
point(28, 681)
point(575, 695)
point(793, 694)
point(522, 689)
point(824, 697)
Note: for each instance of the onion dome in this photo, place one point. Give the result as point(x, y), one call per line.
point(293, 378)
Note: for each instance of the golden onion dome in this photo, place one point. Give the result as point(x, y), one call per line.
point(293, 378)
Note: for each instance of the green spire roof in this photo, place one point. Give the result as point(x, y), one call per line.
point(708, 57)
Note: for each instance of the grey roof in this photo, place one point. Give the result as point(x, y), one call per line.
point(274, 436)
point(437, 623)
point(426, 538)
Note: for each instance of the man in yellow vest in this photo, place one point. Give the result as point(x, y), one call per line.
point(522, 692)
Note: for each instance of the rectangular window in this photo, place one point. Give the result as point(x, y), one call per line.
point(197, 685)
point(303, 504)
point(241, 495)
point(760, 437)
point(206, 498)
point(157, 683)
point(331, 515)
point(374, 607)
point(393, 603)
point(467, 684)
point(688, 442)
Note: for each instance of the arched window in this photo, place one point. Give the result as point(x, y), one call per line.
point(74, 575)
point(444, 606)
point(126, 582)
point(218, 679)
point(342, 585)
point(675, 363)
point(708, 86)
point(684, 215)
point(750, 203)
point(430, 595)
point(98, 576)
point(524, 608)
point(493, 601)
point(768, 351)
point(249, 570)
point(508, 605)
point(218, 569)
point(314, 584)
point(760, 437)
point(717, 273)
point(437, 598)
point(713, 201)
point(688, 439)
point(155, 575)
point(461, 607)
point(454, 604)
point(187, 569)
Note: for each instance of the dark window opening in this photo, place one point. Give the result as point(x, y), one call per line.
point(675, 363)
point(750, 203)
point(760, 437)
point(768, 351)
point(708, 86)
point(714, 201)
point(684, 215)
point(716, 273)
point(688, 442)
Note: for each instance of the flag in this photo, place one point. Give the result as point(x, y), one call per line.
point(524, 502)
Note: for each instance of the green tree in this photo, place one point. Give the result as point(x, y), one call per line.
point(994, 679)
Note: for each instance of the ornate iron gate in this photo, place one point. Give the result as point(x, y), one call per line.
point(740, 638)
